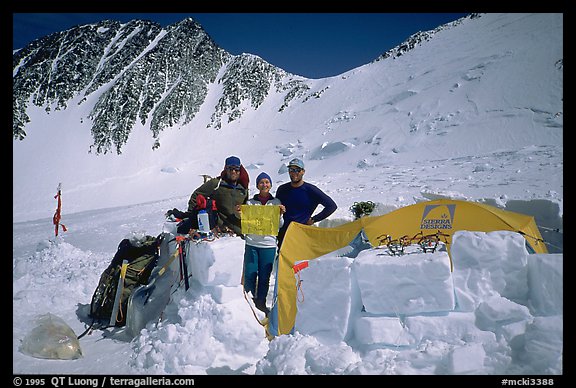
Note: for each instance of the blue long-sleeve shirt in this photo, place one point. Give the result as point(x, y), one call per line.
point(301, 202)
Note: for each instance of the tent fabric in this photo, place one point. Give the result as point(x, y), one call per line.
point(450, 216)
point(303, 242)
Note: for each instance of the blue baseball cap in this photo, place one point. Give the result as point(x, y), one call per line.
point(296, 162)
point(232, 161)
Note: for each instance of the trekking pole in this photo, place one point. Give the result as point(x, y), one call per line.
point(118, 293)
point(185, 266)
point(182, 246)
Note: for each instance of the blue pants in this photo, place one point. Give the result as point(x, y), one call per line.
point(257, 268)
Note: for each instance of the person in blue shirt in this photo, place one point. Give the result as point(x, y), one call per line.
point(301, 200)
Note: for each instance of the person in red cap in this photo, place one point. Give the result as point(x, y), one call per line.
point(229, 190)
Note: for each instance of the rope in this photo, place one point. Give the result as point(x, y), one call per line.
point(554, 246)
point(557, 230)
point(262, 322)
point(299, 290)
point(540, 240)
point(299, 266)
point(120, 312)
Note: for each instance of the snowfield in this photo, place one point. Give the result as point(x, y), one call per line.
point(475, 113)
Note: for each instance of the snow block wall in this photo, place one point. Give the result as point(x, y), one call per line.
point(216, 264)
point(394, 285)
point(385, 331)
point(546, 297)
point(378, 300)
point(447, 327)
point(367, 298)
point(406, 300)
point(500, 257)
point(216, 267)
point(325, 303)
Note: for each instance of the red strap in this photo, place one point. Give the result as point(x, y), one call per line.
point(57, 216)
point(56, 221)
point(300, 266)
point(200, 202)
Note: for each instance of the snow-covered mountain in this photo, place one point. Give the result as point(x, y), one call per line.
point(175, 105)
point(140, 72)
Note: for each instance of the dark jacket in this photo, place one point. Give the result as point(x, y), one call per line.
point(227, 196)
point(301, 202)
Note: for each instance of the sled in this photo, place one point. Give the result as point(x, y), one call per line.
point(148, 301)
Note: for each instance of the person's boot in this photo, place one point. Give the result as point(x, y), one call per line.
point(261, 305)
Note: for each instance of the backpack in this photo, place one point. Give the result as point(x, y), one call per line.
point(142, 256)
point(190, 219)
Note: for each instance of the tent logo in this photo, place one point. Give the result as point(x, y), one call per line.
point(437, 217)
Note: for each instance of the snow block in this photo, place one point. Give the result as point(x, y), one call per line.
point(170, 227)
point(382, 331)
point(452, 327)
point(468, 359)
point(224, 294)
point(497, 311)
point(504, 317)
point(409, 284)
point(216, 264)
point(546, 284)
point(544, 344)
point(486, 264)
point(514, 333)
point(326, 299)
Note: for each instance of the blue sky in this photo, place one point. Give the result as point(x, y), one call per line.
point(314, 45)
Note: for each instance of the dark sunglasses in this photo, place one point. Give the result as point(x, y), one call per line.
point(233, 168)
point(294, 169)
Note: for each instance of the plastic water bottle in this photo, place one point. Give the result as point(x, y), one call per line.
point(203, 222)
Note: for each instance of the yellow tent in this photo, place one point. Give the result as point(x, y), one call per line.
point(445, 217)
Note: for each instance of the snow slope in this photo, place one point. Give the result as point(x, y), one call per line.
point(475, 113)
